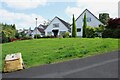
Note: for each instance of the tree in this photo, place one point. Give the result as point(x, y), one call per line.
point(74, 30)
point(84, 25)
point(114, 23)
point(13, 26)
point(104, 17)
point(112, 29)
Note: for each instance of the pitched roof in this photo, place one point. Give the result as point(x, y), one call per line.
point(90, 13)
point(65, 23)
point(41, 30)
point(44, 26)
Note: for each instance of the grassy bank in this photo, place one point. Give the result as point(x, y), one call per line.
point(45, 51)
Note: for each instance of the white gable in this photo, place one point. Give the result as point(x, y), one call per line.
point(35, 31)
point(91, 21)
point(61, 27)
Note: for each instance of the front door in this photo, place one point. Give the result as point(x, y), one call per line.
point(55, 32)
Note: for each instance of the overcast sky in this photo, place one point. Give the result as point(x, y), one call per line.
point(23, 12)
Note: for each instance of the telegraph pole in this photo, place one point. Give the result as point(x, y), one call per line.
point(36, 27)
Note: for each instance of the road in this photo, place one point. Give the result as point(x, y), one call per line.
point(99, 66)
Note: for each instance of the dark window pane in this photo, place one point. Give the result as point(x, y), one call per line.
point(78, 29)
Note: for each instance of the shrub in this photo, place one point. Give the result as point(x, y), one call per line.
point(90, 32)
point(36, 36)
point(26, 38)
point(116, 33)
point(108, 33)
point(66, 35)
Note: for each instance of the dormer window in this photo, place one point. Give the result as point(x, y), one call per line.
point(55, 25)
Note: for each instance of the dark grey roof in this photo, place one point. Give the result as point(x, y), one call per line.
point(44, 26)
point(41, 30)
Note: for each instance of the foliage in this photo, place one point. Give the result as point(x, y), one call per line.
point(99, 30)
point(90, 32)
point(26, 38)
point(74, 30)
point(114, 23)
point(84, 26)
point(36, 36)
point(44, 51)
point(4, 38)
point(104, 17)
point(18, 35)
point(66, 35)
point(22, 34)
point(7, 32)
point(112, 29)
point(116, 33)
point(107, 33)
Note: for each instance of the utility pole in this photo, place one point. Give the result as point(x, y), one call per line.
point(36, 27)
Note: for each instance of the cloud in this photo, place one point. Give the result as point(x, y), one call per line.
point(24, 4)
point(73, 10)
point(21, 20)
point(95, 6)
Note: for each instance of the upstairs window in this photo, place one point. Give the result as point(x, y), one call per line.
point(88, 19)
point(55, 25)
point(78, 29)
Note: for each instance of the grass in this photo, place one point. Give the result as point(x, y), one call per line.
point(46, 51)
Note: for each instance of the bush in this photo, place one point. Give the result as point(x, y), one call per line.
point(90, 32)
point(26, 38)
point(108, 33)
point(37, 36)
point(116, 33)
point(66, 35)
point(5, 39)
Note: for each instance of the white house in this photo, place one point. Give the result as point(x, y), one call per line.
point(29, 32)
point(92, 20)
point(57, 27)
point(38, 31)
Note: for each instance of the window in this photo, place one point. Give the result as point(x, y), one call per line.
point(78, 29)
point(55, 25)
point(88, 19)
point(49, 33)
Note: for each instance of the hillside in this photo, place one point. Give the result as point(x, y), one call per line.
point(45, 51)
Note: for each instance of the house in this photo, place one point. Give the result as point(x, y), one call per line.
point(29, 32)
point(57, 27)
point(92, 20)
point(38, 31)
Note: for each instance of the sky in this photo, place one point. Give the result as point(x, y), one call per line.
point(22, 13)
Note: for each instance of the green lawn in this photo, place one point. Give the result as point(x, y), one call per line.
point(45, 51)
